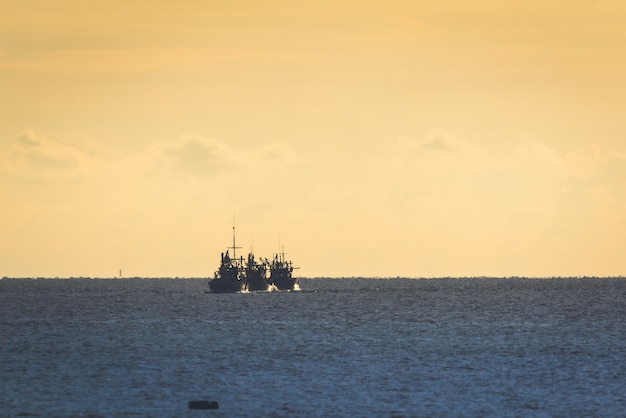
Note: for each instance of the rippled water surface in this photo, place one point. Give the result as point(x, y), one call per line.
point(339, 347)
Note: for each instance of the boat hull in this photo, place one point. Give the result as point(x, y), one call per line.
point(227, 286)
point(258, 284)
point(282, 279)
point(285, 283)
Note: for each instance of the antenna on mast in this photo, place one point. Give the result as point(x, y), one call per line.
point(234, 247)
point(281, 249)
point(279, 246)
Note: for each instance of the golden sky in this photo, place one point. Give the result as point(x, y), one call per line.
point(376, 138)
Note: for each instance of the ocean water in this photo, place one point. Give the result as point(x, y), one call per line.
point(338, 348)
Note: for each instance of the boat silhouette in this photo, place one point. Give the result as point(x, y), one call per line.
point(233, 275)
point(281, 272)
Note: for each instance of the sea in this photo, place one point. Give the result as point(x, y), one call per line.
point(338, 347)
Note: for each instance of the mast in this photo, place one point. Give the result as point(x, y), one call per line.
point(234, 247)
point(281, 251)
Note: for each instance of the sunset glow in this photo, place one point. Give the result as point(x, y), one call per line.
point(372, 138)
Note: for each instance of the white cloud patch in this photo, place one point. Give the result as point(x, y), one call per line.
point(198, 156)
point(439, 151)
point(597, 182)
point(442, 168)
point(32, 154)
point(453, 198)
point(279, 155)
point(526, 208)
point(194, 155)
point(595, 165)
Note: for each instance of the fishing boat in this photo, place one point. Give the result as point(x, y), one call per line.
point(256, 274)
point(230, 277)
point(234, 276)
point(281, 273)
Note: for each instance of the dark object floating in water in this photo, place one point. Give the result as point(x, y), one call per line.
point(203, 405)
point(234, 275)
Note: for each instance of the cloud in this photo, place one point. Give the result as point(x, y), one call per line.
point(442, 175)
point(527, 208)
point(194, 155)
point(279, 155)
point(528, 194)
point(437, 200)
point(205, 157)
point(439, 140)
point(597, 162)
point(597, 179)
point(33, 154)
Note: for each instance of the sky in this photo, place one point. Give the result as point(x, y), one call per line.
point(365, 138)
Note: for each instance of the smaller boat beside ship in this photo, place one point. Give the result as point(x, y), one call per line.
point(233, 275)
